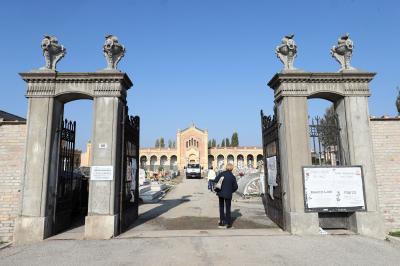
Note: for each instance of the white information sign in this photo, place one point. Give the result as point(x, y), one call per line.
point(101, 173)
point(272, 171)
point(333, 187)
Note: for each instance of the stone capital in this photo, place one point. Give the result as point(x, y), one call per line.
point(324, 85)
point(68, 85)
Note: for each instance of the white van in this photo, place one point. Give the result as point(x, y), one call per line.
point(193, 170)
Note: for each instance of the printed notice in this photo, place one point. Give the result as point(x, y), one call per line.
point(101, 173)
point(333, 187)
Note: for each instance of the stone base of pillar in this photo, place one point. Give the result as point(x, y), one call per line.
point(302, 223)
point(31, 229)
point(368, 223)
point(101, 226)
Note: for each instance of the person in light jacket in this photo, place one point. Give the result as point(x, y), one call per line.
point(229, 186)
point(210, 177)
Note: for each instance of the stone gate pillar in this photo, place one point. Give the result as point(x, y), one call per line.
point(349, 92)
point(44, 113)
point(47, 92)
point(354, 121)
point(103, 209)
point(292, 118)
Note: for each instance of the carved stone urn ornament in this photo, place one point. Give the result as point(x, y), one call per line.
point(287, 51)
point(113, 52)
point(52, 52)
point(343, 52)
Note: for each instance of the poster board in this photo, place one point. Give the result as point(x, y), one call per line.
point(334, 189)
point(272, 173)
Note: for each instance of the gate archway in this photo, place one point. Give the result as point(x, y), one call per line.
point(47, 92)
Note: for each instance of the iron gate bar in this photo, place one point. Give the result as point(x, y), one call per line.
point(130, 151)
point(270, 136)
point(67, 186)
point(325, 140)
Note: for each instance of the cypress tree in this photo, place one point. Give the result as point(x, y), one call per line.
point(157, 145)
point(227, 142)
point(235, 140)
point(162, 144)
point(223, 143)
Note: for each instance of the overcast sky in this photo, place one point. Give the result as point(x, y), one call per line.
point(206, 62)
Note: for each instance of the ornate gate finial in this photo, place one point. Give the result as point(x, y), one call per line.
point(343, 52)
point(287, 51)
point(113, 52)
point(52, 52)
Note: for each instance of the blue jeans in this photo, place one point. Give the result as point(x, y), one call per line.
point(210, 185)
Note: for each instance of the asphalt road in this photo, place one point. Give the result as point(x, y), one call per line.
point(208, 250)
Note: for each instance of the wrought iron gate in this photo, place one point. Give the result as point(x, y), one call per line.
point(273, 185)
point(130, 171)
point(325, 141)
point(68, 184)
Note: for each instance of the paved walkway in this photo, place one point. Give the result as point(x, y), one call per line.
point(191, 206)
point(208, 250)
point(157, 238)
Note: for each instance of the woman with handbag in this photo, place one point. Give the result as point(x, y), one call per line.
point(225, 186)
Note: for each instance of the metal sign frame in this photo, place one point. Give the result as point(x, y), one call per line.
point(334, 209)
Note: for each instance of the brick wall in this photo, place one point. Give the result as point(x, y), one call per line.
point(386, 143)
point(12, 146)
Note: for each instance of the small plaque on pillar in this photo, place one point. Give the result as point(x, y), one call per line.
point(101, 173)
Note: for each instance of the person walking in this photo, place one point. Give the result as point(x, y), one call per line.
point(210, 177)
point(229, 186)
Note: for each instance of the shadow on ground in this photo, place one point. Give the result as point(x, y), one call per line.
point(195, 222)
point(154, 213)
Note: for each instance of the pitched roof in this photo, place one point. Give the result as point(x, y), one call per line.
point(4, 116)
point(195, 127)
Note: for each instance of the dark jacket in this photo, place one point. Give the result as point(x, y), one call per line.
point(229, 185)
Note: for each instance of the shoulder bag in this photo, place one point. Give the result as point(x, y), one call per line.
point(218, 186)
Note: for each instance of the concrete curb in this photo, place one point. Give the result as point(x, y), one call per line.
point(5, 245)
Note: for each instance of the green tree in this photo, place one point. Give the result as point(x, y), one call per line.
point(209, 144)
point(157, 145)
point(170, 143)
point(174, 144)
point(227, 142)
point(223, 143)
point(327, 128)
point(213, 143)
point(162, 144)
point(235, 139)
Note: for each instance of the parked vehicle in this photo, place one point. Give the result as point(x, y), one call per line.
point(193, 171)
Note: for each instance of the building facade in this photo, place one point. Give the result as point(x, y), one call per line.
point(192, 147)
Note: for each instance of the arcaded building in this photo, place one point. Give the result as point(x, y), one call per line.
point(192, 147)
